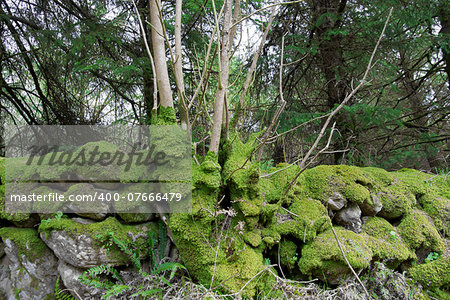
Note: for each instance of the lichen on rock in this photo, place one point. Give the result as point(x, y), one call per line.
point(81, 244)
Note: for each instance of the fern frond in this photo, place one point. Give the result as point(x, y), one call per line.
point(116, 290)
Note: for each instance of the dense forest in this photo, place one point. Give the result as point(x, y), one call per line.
point(319, 132)
point(99, 62)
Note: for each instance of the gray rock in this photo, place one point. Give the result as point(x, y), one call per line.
point(79, 250)
point(372, 208)
point(30, 279)
point(69, 276)
point(6, 288)
point(2, 249)
point(349, 218)
point(387, 284)
point(336, 201)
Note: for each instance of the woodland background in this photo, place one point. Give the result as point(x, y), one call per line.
point(86, 62)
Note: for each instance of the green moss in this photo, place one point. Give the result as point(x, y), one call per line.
point(304, 219)
point(166, 116)
point(288, 254)
point(357, 193)
point(397, 201)
point(97, 232)
point(378, 227)
point(273, 188)
point(386, 243)
point(434, 274)
point(438, 208)
point(241, 176)
point(16, 218)
point(417, 230)
point(253, 238)
point(323, 256)
point(2, 171)
point(27, 241)
point(207, 175)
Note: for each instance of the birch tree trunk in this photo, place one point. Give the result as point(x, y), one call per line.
point(159, 53)
point(183, 107)
point(223, 78)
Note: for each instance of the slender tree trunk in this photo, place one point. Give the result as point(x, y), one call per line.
point(159, 53)
point(445, 31)
point(223, 78)
point(332, 59)
point(184, 112)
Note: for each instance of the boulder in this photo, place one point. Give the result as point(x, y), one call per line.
point(31, 266)
point(81, 243)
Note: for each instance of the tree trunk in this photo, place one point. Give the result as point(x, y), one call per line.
point(159, 53)
point(223, 78)
point(184, 112)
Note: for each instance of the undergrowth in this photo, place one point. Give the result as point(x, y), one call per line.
point(150, 283)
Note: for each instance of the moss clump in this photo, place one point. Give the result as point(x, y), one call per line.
point(207, 175)
point(98, 232)
point(378, 227)
point(438, 208)
point(434, 274)
point(323, 256)
point(397, 201)
point(357, 193)
point(241, 176)
point(253, 238)
point(417, 230)
point(166, 116)
point(304, 219)
point(386, 243)
point(288, 254)
point(27, 241)
point(273, 189)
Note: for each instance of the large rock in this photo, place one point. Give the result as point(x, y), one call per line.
point(81, 243)
point(31, 266)
point(70, 275)
point(350, 218)
point(6, 289)
point(336, 201)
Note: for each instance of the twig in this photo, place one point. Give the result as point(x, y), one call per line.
point(337, 109)
point(251, 279)
point(349, 265)
point(264, 8)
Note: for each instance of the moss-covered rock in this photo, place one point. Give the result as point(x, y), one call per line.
point(417, 231)
point(288, 254)
point(82, 243)
point(323, 259)
point(27, 241)
point(434, 274)
point(386, 244)
point(30, 271)
point(304, 219)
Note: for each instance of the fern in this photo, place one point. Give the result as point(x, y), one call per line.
point(62, 294)
point(91, 276)
point(116, 290)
